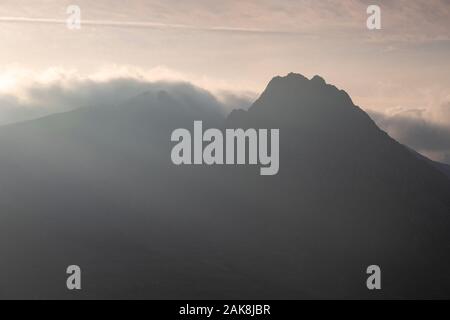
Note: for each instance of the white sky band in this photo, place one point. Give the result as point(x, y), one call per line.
point(146, 24)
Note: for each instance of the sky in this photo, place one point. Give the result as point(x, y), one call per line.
point(399, 74)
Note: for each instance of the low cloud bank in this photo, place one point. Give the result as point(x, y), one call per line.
point(39, 99)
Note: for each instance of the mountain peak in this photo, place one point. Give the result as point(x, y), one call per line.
point(290, 77)
point(295, 92)
point(298, 83)
point(319, 80)
point(298, 78)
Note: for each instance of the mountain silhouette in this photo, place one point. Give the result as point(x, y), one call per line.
point(96, 187)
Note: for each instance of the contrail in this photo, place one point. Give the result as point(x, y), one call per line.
point(144, 24)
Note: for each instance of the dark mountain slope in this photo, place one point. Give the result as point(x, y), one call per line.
point(370, 198)
point(445, 168)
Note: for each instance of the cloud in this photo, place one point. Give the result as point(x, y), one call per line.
point(60, 90)
point(414, 130)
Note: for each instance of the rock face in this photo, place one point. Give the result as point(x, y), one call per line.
point(96, 187)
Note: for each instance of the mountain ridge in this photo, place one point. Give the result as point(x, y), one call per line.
point(96, 186)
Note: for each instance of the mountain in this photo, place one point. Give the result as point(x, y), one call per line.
point(444, 168)
point(96, 187)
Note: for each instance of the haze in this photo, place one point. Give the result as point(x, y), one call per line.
point(232, 48)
